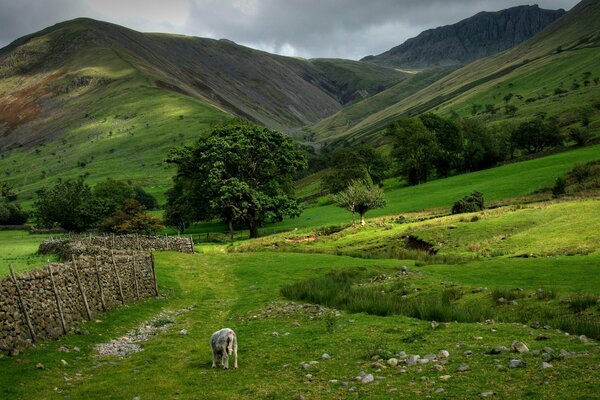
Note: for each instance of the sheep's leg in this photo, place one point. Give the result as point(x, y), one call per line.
point(214, 365)
point(235, 356)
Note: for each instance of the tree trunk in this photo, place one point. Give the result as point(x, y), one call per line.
point(230, 227)
point(353, 218)
point(253, 228)
point(362, 219)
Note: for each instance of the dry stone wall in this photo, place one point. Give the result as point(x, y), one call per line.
point(98, 273)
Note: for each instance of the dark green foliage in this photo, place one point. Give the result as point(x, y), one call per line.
point(112, 194)
point(131, 219)
point(355, 163)
point(6, 191)
point(471, 203)
point(415, 149)
point(482, 147)
point(146, 199)
point(68, 204)
point(580, 136)
point(240, 173)
point(11, 214)
point(450, 142)
point(536, 135)
point(559, 187)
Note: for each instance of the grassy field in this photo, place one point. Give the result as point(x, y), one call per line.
point(19, 249)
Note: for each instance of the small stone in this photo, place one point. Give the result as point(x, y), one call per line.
point(545, 365)
point(308, 376)
point(334, 381)
point(402, 354)
point(478, 338)
point(404, 268)
point(462, 368)
point(548, 350)
point(445, 378)
point(583, 339)
point(275, 334)
point(352, 389)
point(325, 357)
point(423, 361)
point(434, 325)
point(299, 397)
point(412, 359)
point(63, 349)
point(547, 356)
point(344, 383)
point(543, 336)
point(361, 375)
point(377, 365)
point(520, 347)
point(77, 349)
point(368, 378)
point(403, 370)
point(440, 390)
point(443, 354)
point(517, 364)
point(295, 324)
point(183, 332)
point(500, 368)
point(499, 350)
point(430, 357)
point(535, 325)
point(39, 366)
point(438, 368)
point(487, 394)
point(468, 353)
point(501, 300)
point(512, 303)
point(392, 362)
point(63, 362)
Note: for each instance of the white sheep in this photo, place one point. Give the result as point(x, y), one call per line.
point(224, 343)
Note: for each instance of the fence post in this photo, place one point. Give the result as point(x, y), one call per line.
point(22, 303)
point(192, 244)
point(135, 281)
point(112, 256)
point(84, 297)
point(102, 301)
point(58, 303)
point(154, 273)
point(166, 242)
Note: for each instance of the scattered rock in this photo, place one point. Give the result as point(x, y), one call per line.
point(308, 376)
point(412, 359)
point(295, 324)
point(326, 357)
point(430, 357)
point(183, 332)
point(501, 300)
point(275, 334)
point(404, 268)
point(334, 381)
point(39, 366)
point(543, 336)
point(500, 368)
point(487, 394)
point(423, 361)
point(434, 325)
point(517, 364)
point(545, 365)
point(535, 325)
point(445, 378)
point(520, 347)
point(512, 303)
point(76, 349)
point(547, 357)
point(392, 362)
point(499, 350)
point(368, 378)
point(443, 354)
point(299, 397)
point(440, 390)
point(583, 339)
point(438, 368)
point(63, 349)
point(63, 362)
point(377, 365)
point(462, 368)
point(468, 353)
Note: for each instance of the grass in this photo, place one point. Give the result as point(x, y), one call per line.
point(18, 248)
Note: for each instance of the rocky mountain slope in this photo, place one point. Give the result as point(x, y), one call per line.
point(481, 35)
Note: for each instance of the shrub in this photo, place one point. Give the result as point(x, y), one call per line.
point(131, 218)
point(582, 302)
point(507, 294)
point(11, 214)
point(559, 187)
point(471, 203)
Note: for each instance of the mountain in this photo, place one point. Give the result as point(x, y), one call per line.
point(555, 73)
point(86, 97)
point(481, 35)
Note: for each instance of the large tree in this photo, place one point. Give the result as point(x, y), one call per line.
point(415, 149)
point(536, 135)
point(241, 174)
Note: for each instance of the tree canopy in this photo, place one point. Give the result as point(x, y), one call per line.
point(241, 174)
point(360, 197)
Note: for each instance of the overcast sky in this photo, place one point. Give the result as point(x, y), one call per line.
point(305, 28)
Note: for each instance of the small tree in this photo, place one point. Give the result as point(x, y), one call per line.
point(471, 203)
point(132, 218)
point(360, 197)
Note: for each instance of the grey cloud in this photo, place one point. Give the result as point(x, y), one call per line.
point(307, 28)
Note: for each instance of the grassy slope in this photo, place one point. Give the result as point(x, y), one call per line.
point(577, 33)
point(18, 248)
point(507, 181)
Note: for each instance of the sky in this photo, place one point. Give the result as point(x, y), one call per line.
point(301, 28)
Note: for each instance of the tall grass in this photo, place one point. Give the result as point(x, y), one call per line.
point(582, 302)
point(507, 294)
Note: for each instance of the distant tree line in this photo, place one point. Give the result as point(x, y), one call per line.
point(10, 211)
point(110, 206)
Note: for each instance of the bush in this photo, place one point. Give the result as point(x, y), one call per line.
point(559, 187)
point(131, 218)
point(146, 199)
point(11, 214)
point(471, 203)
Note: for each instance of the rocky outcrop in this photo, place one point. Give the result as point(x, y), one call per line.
point(484, 34)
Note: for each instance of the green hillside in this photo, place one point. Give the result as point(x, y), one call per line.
point(562, 53)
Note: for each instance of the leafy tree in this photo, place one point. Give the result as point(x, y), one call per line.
point(240, 174)
point(536, 135)
point(579, 136)
point(6, 191)
point(113, 194)
point(360, 197)
point(146, 199)
point(179, 213)
point(415, 148)
point(68, 204)
point(352, 163)
point(450, 139)
point(11, 214)
point(483, 147)
point(132, 218)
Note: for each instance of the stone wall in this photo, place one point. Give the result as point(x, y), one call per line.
point(87, 244)
point(38, 308)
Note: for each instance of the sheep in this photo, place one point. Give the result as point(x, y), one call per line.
point(224, 343)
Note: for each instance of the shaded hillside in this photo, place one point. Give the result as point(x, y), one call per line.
point(90, 98)
point(564, 54)
point(481, 35)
